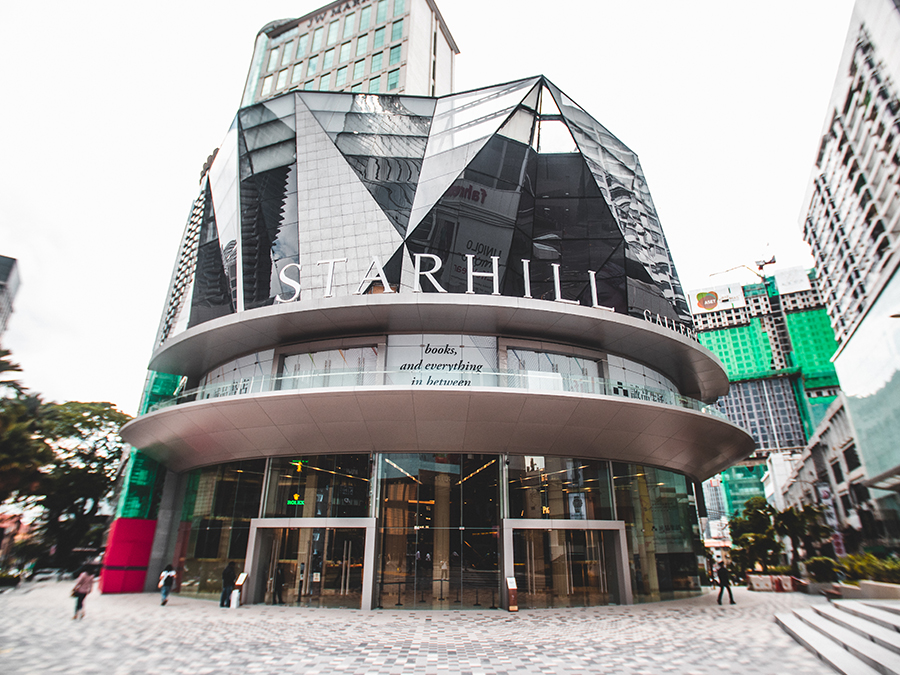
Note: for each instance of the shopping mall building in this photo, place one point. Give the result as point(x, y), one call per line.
point(414, 347)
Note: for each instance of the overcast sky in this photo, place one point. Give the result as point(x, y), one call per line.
point(110, 109)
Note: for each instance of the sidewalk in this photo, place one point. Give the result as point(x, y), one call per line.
point(134, 634)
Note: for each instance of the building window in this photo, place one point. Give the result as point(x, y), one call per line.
point(381, 11)
point(273, 60)
point(332, 32)
point(851, 458)
point(301, 45)
point(376, 62)
point(345, 52)
point(393, 80)
point(348, 24)
point(341, 78)
point(359, 69)
point(282, 79)
point(397, 31)
point(267, 85)
point(297, 74)
point(838, 474)
point(362, 44)
point(395, 55)
point(399, 7)
point(310, 85)
point(323, 82)
point(379, 38)
point(365, 16)
point(328, 61)
point(317, 39)
point(313, 65)
point(375, 85)
point(356, 88)
point(286, 54)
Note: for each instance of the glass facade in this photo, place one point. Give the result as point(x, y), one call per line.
point(515, 172)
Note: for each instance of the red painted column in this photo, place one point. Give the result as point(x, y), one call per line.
point(127, 554)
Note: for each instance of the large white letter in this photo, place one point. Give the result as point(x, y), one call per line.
point(471, 273)
point(379, 274)
point(556, 286)
point(430, 273)
point(526, 276)
point(282, 274)
point(329, 279)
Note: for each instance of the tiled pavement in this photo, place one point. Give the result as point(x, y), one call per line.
point(134, 634)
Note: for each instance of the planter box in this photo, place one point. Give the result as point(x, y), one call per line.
point(770, 583)
point(878, 590)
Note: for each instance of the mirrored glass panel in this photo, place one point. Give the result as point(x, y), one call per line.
point(559, 488)
point(318, 486)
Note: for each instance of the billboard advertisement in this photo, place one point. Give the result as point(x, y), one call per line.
point(717, 298)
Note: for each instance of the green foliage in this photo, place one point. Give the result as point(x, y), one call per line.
point(804, 525)
point(822, 569)
point(780, 569)
point(753, 535)
point(23, 450)
point(867, 566)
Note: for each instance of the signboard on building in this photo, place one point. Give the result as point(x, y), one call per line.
point(792, 280)
point(717, 298)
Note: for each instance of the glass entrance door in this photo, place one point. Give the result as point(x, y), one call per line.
point(316, 567)
point(565, 568)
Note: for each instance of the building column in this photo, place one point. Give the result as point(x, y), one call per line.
point(168, 518)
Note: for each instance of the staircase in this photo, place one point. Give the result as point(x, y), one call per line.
point(855, 637)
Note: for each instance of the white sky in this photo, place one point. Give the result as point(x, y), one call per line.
point(111, 108)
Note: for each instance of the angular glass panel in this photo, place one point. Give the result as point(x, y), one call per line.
point(223, 179)
point(211, 296)
point(548, 105)
point(519, 127)
point(531, 100)
point(554, 137)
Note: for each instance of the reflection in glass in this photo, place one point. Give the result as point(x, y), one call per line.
point(559, 488)
point(318, 486)
point(438, 536)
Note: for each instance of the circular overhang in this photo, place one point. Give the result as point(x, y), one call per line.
point(694, 369)
point(445, 420)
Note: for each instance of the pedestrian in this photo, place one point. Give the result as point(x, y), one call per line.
point(166, 582)
point(228, 579)
point(278, 586)
point(83, 586)
point(724, 582)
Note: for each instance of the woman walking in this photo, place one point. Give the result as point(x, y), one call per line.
point(166, 581)
point(83, 586)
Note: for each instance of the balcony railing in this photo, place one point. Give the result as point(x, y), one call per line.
point(530, 380)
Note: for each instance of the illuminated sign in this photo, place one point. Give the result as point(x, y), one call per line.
point(296, 501)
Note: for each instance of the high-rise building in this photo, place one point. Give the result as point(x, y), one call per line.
point(9, 286)
point(362, 46)
point(775, 340)
point(852, 223)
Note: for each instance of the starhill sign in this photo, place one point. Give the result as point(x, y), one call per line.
point(422, 260)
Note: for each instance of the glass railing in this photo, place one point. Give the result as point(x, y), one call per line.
point(530, 380)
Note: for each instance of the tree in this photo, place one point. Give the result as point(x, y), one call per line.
point(87, 451)
point(800, 525)
point(23, 451)
point(753, 535)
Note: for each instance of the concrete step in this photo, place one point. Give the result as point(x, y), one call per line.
point(825, 650)
point(892, 606)
point(865, 610)
point(883, 660)
point(889, 639)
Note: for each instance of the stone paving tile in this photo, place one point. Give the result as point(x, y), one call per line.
point(125, 634)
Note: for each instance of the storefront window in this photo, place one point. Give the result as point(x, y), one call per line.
point(219, 503)
point(318, 486)
point(438, 534)
point(664, 548)
point(559, 488)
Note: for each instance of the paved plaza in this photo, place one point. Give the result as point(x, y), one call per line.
point(134, 634)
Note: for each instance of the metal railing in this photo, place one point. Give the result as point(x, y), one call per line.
point(422, 378)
